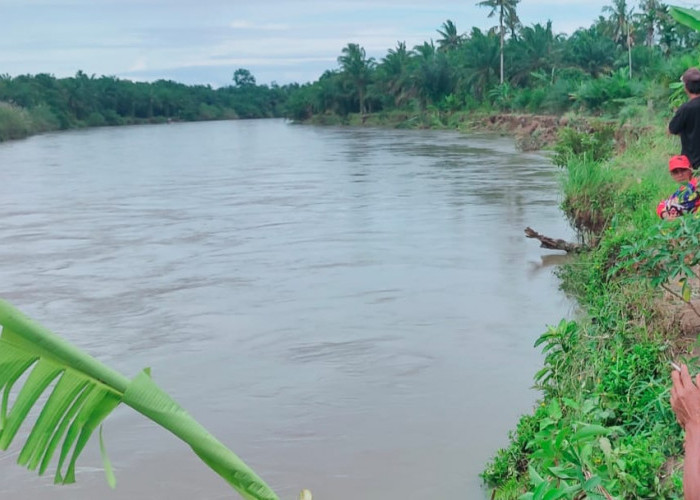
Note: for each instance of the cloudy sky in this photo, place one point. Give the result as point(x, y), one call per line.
point(204, 41)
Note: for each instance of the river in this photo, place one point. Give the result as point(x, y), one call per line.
point(350, 310)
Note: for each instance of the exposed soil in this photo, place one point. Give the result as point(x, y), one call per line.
point(533, 132)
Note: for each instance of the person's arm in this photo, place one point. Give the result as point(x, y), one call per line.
point(685, 401)
point(691, 465)
point(676, 123)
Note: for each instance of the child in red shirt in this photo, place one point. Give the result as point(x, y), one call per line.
point(686, 199)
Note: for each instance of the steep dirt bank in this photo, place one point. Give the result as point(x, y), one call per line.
point(533, 132)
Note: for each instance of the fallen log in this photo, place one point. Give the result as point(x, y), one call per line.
point(552, 243)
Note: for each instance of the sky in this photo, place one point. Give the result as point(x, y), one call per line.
point(205, 41)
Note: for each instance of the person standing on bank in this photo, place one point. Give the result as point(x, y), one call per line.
point(686, 121)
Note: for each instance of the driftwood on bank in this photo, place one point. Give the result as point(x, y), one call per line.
point(552, 243)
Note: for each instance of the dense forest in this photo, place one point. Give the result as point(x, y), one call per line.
point(32, 104)
point(622, 65)
point(624, 61)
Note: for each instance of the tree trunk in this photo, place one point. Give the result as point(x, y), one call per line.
point(554, 244)
point(502, 36)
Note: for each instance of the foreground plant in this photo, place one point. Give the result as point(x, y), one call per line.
point(667, 252)
point(84, 392)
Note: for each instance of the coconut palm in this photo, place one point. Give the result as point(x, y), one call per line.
point(394, 74)
point(650, 18)
point(358, 69)
point(590, 51)
point(504, 8)
point(450, 38)
point(431, 74)
point(84, 392)
point(538, 49)
point(619, 19)
point(481, 61)
point(620, 23)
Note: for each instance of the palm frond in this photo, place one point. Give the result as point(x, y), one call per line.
point(687, 17)
point(84, 393)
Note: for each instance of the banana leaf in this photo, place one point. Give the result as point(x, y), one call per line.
point(687, 17)
point(83, 393)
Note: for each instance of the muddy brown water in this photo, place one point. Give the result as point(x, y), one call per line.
point(350, 310)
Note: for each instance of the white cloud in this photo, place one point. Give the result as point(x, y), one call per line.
point(241, 24)
point(139, 65)
point(289, 36)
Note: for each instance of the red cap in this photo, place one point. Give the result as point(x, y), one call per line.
point(679, 161)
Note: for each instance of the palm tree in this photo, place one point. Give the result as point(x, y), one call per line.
point(512, 22)
point(431, 74)
point(394, 73)
point(650, 18)
point(590, 51)
point(620, 23)
point(619, 19)
point(358, 69)
point(481, 59)
point(450, 38)
point(537, 50)
point(505, 8)
point(83, 393)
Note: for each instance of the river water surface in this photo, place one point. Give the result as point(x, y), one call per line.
point(350, 310)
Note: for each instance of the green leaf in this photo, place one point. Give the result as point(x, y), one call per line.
point(554, 494)
point(605, 446)
point(554, 411)
point(84, 394)
point(589, 431)
point(571, 403)
point(564, 472)
point(109, 472)
point(687, 17)
point(686, 291)
point(535, 478)
point(592, 483)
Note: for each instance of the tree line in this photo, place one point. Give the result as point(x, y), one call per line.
point(624, 60)
point(37, 103)
point(619, 65)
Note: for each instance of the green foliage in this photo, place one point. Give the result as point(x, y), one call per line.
point(558, 342)
point(82, 392)
point(511, 463)
point(607, 93)
point(606, 373)
point(41, 103)
point(687, 17)
point(585, 145)
point(15, 122)
point(663, 253)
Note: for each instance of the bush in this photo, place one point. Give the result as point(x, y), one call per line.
point(587, 145)
point(96, 119)
point(43, 119)
point(15, 122)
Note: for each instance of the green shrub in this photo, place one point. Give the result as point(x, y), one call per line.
point(43, 119)
point(15, 122)
point(594, 145)
point(96, 119)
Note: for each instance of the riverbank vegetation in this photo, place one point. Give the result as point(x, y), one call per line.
point(621, 66)
point(40, 103)
point(604, 426)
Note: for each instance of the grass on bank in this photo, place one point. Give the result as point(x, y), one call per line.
point(604, 427)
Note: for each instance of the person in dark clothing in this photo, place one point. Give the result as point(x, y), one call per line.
point(686, 121)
